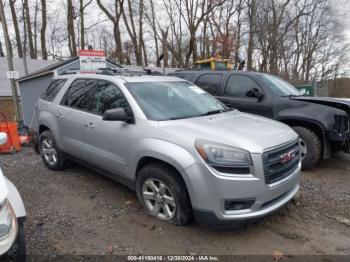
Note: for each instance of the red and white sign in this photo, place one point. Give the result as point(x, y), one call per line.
point(92, 59)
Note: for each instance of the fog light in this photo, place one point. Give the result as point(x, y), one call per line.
point(231, 205)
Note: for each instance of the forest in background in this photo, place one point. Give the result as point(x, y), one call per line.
point(301, 40)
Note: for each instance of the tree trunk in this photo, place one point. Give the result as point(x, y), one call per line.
point(82, 25)
point(70, 28)
point(32, 53)
point(1, 51)
point(16, 27)
point(118, 42)
point(35, 26)
point(43, 29)
point(252, 18)
point(165, 47)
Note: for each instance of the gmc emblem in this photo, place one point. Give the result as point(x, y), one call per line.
point(285, 158)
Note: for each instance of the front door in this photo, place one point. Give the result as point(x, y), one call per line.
point(108, 141)
point(235, 96)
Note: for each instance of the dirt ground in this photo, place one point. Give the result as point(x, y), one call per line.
point(79, 212)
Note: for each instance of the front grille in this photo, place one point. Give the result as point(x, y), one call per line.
point(281, 162)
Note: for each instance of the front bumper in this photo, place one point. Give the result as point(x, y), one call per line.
point(17, 252)
point(209, 190)
point(340, 140)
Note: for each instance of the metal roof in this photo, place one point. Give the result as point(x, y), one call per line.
point(33, 65)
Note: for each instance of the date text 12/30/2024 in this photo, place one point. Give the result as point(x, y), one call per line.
point(174, 258)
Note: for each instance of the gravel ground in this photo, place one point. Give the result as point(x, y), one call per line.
point(77, 211)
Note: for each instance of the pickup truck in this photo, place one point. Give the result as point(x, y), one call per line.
point(321, 122)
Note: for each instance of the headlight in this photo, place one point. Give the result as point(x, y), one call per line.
point(217, 154)
point(8, 226)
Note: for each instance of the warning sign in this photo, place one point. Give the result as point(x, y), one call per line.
point(92, 59)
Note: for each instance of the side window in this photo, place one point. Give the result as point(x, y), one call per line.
point(185, 76)
point(210, 83)
point(107, 96)
point(52, 90)
point(238, 85)
point(79, 94)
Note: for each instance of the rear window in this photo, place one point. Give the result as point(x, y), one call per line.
point(52, 90)
point(188, 77)
point(210, 83)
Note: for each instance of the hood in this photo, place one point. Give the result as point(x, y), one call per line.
point(246, 131)
point(3, 187)
point(339, 103)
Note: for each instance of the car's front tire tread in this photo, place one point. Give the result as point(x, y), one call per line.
point(183, 215)
point(314, 146)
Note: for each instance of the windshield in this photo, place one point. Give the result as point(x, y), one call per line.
point(279, 86)
point(220, 65)
point(173, 100)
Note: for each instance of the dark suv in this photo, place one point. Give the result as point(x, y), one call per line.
point(322, 123)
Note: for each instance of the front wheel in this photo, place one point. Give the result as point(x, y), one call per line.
point(310, 146)
point(163, 194)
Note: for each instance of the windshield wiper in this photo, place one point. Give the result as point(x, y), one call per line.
point(213, 112)
point(291, 95)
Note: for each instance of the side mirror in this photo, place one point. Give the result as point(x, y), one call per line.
point(117, 114)
point(3, 138)
point(254, 92)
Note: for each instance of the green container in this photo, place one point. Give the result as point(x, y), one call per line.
point(306, 90)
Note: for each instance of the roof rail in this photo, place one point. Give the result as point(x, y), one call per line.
point(127, 72)
point(116, 71)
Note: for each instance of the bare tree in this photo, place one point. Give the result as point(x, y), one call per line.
point(82, 6)
point(153, 23)
point(32, 52)
point(193, 13)
point(35, 26)
point(70, 29)
point(135, 10)
point(43, 29)
point(115, 19)
point(252, 18)
point(16, 27)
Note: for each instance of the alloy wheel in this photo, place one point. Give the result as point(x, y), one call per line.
point(49, 151)
point(159, 199)
point(303, 149)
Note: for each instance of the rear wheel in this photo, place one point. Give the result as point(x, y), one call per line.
point(310, 146)
point(163, 194)
point(51, 155)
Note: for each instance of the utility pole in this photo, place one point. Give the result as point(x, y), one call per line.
point(9, 62)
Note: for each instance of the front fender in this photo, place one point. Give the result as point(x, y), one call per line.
point(168, 152)
point(15, 199)
point(310, 113)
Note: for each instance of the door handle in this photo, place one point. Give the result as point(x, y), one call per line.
point(90, 124)
point(59, 115)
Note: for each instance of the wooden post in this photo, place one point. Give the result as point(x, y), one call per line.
point(9, 62)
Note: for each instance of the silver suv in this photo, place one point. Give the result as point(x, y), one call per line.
point(183, 151)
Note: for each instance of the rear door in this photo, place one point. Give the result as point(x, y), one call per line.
point(73, 113)
point(235, 96)
point(210, 82)
point(45, 101)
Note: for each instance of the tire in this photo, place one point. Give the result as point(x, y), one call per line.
point(56, 162)
point(181, 212)
point(313, 147)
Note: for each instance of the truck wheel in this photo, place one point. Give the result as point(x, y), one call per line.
point(163, 194)
point(311, 147)
point(51, 155)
